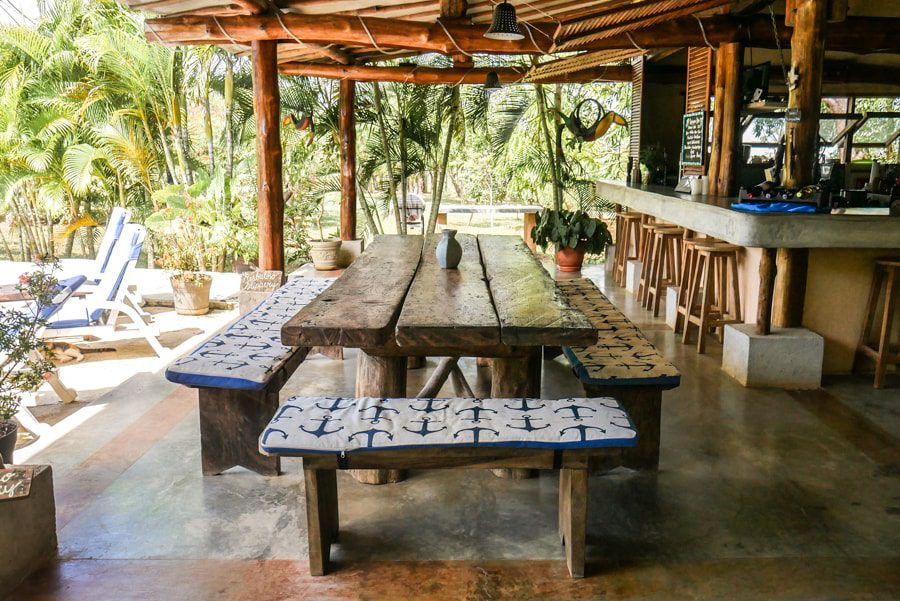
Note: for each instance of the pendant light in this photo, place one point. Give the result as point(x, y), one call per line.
point(492, 82)
point(505, 26)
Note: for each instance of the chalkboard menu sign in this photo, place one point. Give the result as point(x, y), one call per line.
point(693, 138)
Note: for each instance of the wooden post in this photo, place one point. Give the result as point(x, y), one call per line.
point(767, 272)
point(348, 160)
point(805, 90)
point(270, 195)
point(726, 142)
point(516, 378)
point(380, 377)
point(791, 289)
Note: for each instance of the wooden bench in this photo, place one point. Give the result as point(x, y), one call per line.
point(239, 373)
point(623, 365)
point(572, 435)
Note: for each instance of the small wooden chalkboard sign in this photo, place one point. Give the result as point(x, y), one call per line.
point(693, 138)
point(15, 483)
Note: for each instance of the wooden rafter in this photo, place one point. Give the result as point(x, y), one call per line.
point(448, 76)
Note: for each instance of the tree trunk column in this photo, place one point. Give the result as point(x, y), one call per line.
point(348, 159)
point(726, 141)
point(516, 378)
point(270, 195)
point(383, 377)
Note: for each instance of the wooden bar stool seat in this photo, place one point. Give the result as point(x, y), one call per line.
point(886, 352)
point(627, 243)
point(664, 264)
point(715, 273)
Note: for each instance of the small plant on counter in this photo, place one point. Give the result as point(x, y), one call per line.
point(573, 233)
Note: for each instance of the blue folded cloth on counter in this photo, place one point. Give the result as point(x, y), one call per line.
point(777, 207)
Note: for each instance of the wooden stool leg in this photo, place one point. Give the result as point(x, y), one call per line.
point(692, 296)
point(871, 305)
point(574, 491)
point(886, 324)
point(705, 303)
point(736, 289)
point(563, 505)
point(321, 522)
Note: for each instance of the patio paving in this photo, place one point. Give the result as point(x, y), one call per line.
point(761, 494)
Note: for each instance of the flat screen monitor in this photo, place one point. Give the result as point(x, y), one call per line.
point(755, 83)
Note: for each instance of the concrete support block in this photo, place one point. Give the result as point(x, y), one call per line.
point(27, 531)
point(350, 249)
point(789, 358)
point(633, 275)
point(610, 260)
point(671, 305)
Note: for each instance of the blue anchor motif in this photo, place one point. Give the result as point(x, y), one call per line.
point(576, 415)
point(269, 432)
point(528, 427)
point(379, 409)
point(524, 406)
point(335, 405)
point(321, 430)
point(477, 410)
point(476, 432)
point(284, 410)
point(371, 434)
point(423, 431)
point(429, 406)
point(582, 429)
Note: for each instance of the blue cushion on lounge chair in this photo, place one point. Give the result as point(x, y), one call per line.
point(307, 425)
point(245, 356)
point(64, 290)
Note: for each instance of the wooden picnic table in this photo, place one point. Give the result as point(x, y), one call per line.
point(395, 302)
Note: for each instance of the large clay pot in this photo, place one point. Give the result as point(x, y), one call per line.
point(8, 431)
point(449, 251)
point(325, 254)
point(570, 259)
point(191, 294)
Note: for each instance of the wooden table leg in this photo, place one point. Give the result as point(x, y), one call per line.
point(516, 377)
point(573, 517)
point(321, 517)
point(380, 377)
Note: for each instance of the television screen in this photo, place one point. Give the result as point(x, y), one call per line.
point(755, 83)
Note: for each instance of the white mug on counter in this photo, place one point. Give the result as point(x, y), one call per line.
point(696, 186)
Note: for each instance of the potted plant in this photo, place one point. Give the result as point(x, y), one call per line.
point(23, 354)
point(574, 233)
point(184, 236)
point(653, 158)
point(324, 251)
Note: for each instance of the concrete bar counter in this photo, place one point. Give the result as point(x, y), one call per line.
point(842, 250)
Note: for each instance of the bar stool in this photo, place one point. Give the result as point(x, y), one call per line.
point(664, 264)
point(644, 255)
point(688, 262)
point(712, 309)
point(627, 243)
point(886, 274)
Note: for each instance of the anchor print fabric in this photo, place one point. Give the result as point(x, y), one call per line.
point(245, 356)
point(306, 425)
point(622, 355)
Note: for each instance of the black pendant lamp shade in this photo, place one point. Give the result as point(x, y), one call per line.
point(492, 82)
point(505, 26)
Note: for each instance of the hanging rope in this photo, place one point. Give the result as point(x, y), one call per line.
point(453, 41)
point(225, 33)
point(278, 15)
point(631, 39)
point(539, 49)
point(156, 35)
point(778, 45)
point(703, 31)
point(374, 43)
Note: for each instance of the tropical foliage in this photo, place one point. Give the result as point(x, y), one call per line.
point(93, 115)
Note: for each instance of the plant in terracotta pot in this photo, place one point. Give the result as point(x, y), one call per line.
point(324, 251)
point(574, 233)
point(23, 354)
point(184, 235)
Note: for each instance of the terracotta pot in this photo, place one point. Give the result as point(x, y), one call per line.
point(191, 295)
point(8, 431)
point(324, 254)
point(570, 259)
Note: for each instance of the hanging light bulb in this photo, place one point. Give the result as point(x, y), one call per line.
point(492, 83)
point(505, 26)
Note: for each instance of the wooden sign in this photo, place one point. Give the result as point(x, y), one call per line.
point(15, 483)
point(693, 138)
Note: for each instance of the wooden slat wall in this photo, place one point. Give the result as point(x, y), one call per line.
point(700, 68)
point(637, 100)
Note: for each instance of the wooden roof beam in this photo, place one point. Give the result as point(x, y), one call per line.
point(343, 30)
point(450, 76)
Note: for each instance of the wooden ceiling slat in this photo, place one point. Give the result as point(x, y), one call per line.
point(571, 64)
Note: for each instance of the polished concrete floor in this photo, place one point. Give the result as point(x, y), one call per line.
point(761, 494)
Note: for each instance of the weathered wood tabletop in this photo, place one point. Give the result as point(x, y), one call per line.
point(396, 297)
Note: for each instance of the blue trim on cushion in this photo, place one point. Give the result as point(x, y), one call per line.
point(588, 444)
point(582, 373)
point(69, 323)
point(201, 381)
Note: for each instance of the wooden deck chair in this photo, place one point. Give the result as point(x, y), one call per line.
point(97, 313)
